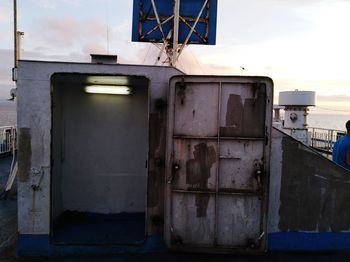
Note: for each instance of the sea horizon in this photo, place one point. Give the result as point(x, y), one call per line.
point(336, 121)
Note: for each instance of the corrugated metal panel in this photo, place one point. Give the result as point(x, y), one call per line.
point(217, 163)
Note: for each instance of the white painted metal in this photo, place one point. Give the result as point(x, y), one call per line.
point(295, 118)
point(35, 118)
point(191, 106)
point(215, 196)
point(176, 32)
point(158, 20)
point(295, 112)
point(190, 33)
point(297, 98)
point(11, 178)
point(174, 52)
point(295, 123)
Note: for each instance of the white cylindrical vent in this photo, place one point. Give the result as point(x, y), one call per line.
point(297, 98)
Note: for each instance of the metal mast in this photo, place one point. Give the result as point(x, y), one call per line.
point(174, 51)
point(15, 32)
point(176, 32)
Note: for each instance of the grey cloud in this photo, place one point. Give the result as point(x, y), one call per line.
point(65, 32)
point(62, 35)
point(5, 90)
point(93, 48)
point(7, 61)
point(69, 57)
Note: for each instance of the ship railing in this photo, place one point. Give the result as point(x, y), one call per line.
point(8, 139)
point(323, 139)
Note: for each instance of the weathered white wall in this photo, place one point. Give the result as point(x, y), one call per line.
point(34, 130)
point(275, 180)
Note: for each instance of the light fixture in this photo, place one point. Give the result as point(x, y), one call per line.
point(108, 80)
point(108, 89)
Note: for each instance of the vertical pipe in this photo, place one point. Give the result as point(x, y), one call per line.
point(176, 31)
point(15, 32)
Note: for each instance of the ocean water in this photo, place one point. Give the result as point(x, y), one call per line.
point(8, 114)
point(328, 121)
point(8, 118)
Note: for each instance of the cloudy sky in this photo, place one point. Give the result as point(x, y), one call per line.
point(300, 44)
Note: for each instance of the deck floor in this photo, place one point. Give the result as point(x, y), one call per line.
point(99, 229)
point(8, 215)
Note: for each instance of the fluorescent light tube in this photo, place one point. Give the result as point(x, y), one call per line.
point(106, 89)
point(108, 80)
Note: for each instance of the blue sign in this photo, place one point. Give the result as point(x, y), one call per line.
point(145, 27)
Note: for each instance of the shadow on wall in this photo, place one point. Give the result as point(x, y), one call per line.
point(315, 192)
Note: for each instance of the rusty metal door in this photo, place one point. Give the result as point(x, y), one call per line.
point(217, 163)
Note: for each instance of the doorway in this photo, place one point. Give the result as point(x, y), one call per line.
point(99, 159)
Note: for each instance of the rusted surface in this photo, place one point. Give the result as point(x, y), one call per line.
point(153, 189)
point(156, 167)
point(187, 171)
point(234, 116)
point(24, 154)
point(198, 173)
point(238, 220)
point(315, 193)
point(187, 226)
point(237, 164)
point(198, 168)
point(246, 117)
point(202, 204)
point(216, 135)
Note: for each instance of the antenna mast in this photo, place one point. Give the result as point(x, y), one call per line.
point(15, 33)
point(164, 22)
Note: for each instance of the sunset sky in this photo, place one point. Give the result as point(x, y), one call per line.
point(300, 44)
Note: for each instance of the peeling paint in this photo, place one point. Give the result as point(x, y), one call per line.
point(156, 159)
point(245, 118)
point(153, 189)
point(198, 173)
point(156, 167)
point(24, 154)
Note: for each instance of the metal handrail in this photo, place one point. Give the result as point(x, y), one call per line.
point(323, 138)
point(8, 139)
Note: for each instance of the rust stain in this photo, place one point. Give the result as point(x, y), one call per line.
point(181, 91)
point(156, 166)
point(153, 192)
point(156, 159)
point(202, 201)
point(198, 173)
point(245, 118)
point(234, 116)
point(24, 154)
point(254, 116)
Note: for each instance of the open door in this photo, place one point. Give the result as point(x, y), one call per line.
point(100, 151)
point(218, 151)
